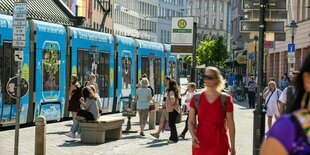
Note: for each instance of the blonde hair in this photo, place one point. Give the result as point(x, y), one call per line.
point(192, 85)
point(93, 93)
point(220, 84)
point(272, 82)
point(144, 82)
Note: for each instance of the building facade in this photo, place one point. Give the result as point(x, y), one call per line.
point(210, 16)
point(146, 19)
point(93, 13)
point(299, 11)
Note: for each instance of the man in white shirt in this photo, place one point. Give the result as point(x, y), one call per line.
point(288, 92)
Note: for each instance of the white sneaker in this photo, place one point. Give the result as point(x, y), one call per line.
point(70, 134)
point(77, 135)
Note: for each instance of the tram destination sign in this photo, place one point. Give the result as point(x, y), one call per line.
point(19, 25)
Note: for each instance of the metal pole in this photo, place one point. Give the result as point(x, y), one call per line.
point(233, 61)
point(18, 95)
point(259, 114)
point(193, 75)
point(255, 58)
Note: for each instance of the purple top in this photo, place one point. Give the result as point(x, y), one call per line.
point(290, 130)
point(284, 131)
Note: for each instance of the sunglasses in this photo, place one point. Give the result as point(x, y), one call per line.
point(208, 77)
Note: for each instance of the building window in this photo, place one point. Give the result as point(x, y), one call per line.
point(206, 22)
point(206, 5)
point(214, 23)
point(214, 7)
point(168, 36)
point(222, 7)
point(161, 36)
point(221, 24)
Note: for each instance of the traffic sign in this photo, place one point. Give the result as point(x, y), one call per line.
point(11, 87)
point(272, 5)
point(270, 26)
point(291, 60)
point(19, 25)
point(291, 48)
point(19, 55)
point(251, 56)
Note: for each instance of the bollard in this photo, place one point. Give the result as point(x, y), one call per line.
point(152, 119)
point(40, 136)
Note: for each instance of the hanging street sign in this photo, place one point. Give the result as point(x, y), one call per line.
point(272, 5)
point(19, 25)
point(19, 55)
point(253, 26)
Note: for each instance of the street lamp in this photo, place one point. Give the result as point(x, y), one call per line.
point(293, 26)
point(255, 52)
point(233, 60)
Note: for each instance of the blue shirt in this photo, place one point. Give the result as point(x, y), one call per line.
point(251, 83)
point(143, 101)
point(231, 80)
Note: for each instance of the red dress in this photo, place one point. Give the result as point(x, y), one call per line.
point(211, 131)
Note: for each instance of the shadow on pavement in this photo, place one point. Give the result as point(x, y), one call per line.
point(75, 143)
point(157, 143)
point(133, 137)
point(57, 133)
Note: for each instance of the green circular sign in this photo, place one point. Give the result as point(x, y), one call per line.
point(182, 23)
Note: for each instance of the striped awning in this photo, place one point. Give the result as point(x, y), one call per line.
point(44, 10)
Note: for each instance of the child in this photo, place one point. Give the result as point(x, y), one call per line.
point(191, 87)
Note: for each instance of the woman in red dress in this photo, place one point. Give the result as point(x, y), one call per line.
point(210, 136)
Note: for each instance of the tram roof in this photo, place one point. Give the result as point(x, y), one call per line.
point(46, 10)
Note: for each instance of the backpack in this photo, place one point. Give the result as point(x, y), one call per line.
point(223, 97)
point(290, 98)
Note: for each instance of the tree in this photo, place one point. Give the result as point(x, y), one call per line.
point(212, 52)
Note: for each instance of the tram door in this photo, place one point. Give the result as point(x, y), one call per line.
point(145, 66)
point(103, 80)
point(8, 69)
point(157, 75)
point(84, 65)
point(126, 75)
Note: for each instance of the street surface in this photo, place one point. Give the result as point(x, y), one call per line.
point(57, 143)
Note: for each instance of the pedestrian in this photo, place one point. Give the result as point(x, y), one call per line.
point(191, 92)
point(142, 98)
point(173, 109)
point(164, 115)
point(210, 137)
point(251, 86)
point(74, 96)
point(90, 110)
point(231, 80)
point(92, 81)
point(290, 134)
point(271, 105)
point(284, 83)
point(287, 97)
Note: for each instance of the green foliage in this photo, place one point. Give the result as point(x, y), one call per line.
point(212, 52)
point(51, 60)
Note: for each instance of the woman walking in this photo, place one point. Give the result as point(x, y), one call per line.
point(142, 98)
point(173, 109)
point(209, 137)
point(271, 97)
point(89, 102)
point(290, 134)
point(75, 94)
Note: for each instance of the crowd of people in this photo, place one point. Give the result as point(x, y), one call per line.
point(210, 118)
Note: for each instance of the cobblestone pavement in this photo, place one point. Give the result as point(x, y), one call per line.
point(58, 143)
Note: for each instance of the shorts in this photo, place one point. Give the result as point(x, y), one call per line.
point(273, 109)
point(143, 114)
point(230, 88)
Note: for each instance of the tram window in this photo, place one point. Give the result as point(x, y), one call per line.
point(8, 70)
point(145, 67)
point(104, 74)
point(51, 60)
point(126, 75)
point(171, 69)
point(84, 65)
point(157, 75)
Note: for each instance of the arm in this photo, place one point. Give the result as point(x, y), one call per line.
point(282, 108)
point(192, 126)
point(184, 92)
point(231, 128)
point(272, 146)
point(266, 94)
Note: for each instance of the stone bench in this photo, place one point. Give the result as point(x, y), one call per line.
point(97, 131)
